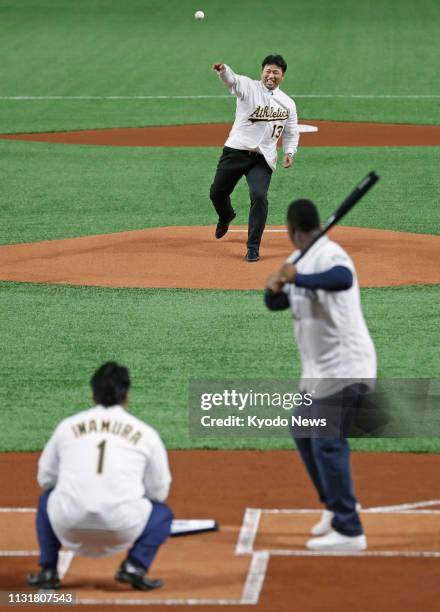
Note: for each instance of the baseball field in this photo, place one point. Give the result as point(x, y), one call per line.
point(111, 125)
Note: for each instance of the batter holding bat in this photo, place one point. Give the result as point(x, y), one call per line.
point(264, 114)
point(318, 282)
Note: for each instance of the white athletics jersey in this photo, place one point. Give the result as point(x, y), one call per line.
point(332, 336)
point(106, 465)
point(261, 118)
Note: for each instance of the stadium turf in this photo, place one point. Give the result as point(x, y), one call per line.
point(364, 61)
point(60, 191)
point(54, 337)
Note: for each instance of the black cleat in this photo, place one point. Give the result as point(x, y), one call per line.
point(45, 579)
point(252, 255)
point(136, 576)
point(223, 226)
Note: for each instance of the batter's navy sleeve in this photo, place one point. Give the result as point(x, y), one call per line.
point(48, 541)
point(338, 278)
point(156, 531)
point(276, 301)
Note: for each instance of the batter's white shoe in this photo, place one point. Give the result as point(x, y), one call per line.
point(325, 522)
point(324, 525)
point(337, 542)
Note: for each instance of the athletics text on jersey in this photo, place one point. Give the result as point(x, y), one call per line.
point(262, 117)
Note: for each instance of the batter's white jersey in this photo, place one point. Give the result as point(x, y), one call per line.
point(106, 465)
point(261, 117)
point(330, 329)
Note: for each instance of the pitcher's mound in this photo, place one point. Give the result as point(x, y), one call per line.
point(190, 257)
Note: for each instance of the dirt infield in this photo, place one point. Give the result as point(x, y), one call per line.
point(147, 258)
point(399, 572)
point(330, 134)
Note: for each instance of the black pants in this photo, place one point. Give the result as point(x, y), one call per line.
point(327, 459)
point(233, 164)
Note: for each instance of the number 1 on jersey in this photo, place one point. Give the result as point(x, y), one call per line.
point(101, 447)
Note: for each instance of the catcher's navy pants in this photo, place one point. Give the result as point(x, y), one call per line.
point(142, 552)
point(155, 533)
point(328, 464)
point(47, 539)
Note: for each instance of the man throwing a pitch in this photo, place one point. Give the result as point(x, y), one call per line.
point(263, 115)
point(338, 368)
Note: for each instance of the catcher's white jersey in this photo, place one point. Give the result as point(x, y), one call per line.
point(262, 117)
point(106, 465)
point(332, 336)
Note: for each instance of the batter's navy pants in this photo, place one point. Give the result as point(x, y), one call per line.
point(232, 166)
point(142, 552)
point(327, 461)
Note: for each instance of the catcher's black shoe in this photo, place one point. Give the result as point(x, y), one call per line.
point(252, 255)
point(45, 579)
point(136, 576)
point(223, 226)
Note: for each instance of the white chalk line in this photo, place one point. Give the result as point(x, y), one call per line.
point(19, 553)
point(410, 506)
point(403, 509)
point(65, 558)
point(160, 602)
point(255, 578)
point(18, 509)
point(224, 97)
point(352, 553)
point(248, 531)
point(250, 593)
point(252, 517)
point(272, 231)
point(260, 559)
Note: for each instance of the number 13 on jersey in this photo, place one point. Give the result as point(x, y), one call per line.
point(277, 130)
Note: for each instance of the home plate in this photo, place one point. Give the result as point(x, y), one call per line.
point(180, 527)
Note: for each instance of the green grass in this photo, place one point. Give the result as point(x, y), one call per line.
point(55, 336)
point(22, 116)
point(59, 191)
point(138, 47)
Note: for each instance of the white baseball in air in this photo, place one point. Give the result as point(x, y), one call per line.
point(199, 15)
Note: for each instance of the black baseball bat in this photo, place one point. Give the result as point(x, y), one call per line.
point(358, 192)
